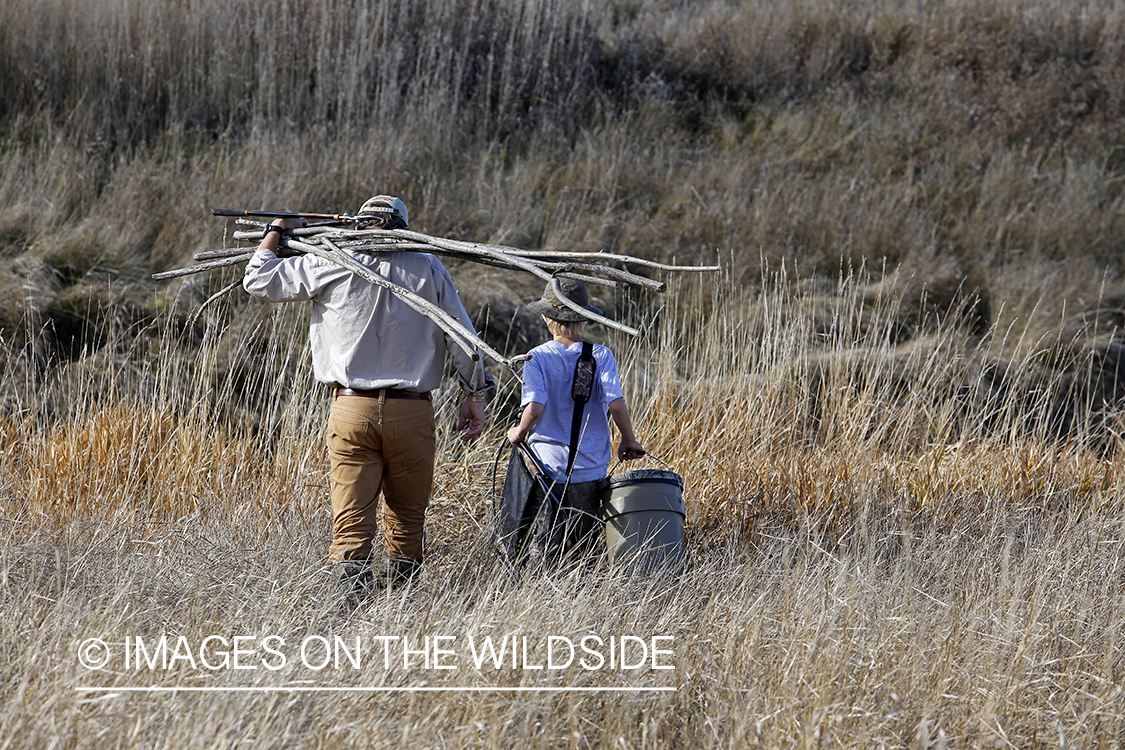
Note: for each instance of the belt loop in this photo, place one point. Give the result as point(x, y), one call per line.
point(382, 397)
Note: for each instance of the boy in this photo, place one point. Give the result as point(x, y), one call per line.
point(546, 425)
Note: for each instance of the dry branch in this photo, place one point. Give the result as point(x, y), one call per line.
point(493, 252)
point(234, 260)
point(547, 254)
point(333, 243)
point(225, 290)
point(450, 325)
point(510, 255)
point(558, 268)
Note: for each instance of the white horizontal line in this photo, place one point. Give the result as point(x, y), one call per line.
point(308, 689)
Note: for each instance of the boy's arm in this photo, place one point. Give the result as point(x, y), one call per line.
point(630, 447)
point(530, 416)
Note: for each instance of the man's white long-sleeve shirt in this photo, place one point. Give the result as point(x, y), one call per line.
point(362, 335)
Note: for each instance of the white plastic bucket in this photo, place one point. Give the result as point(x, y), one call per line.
point(644, 520)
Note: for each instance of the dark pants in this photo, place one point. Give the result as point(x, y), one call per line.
point(567, 531)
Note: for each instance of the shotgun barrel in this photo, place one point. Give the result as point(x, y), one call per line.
point(240, 213)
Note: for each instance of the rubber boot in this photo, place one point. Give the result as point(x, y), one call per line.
point(354, 579)
point(399, 572)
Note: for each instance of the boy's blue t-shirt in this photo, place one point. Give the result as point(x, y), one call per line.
point(547, 379)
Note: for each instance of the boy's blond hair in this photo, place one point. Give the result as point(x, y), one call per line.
point(570, 329)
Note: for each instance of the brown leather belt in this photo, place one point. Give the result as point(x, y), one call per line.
point(389, 393)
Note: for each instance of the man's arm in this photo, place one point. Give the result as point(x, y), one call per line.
point(278, 279)
point(472, 416)
point(471, 375)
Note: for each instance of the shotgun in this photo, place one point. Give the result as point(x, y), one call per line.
point(326, 218)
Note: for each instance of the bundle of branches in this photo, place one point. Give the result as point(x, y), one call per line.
point(334, 243)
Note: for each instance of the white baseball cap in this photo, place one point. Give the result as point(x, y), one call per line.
point(381, 205)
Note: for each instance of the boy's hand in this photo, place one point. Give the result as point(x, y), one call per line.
point(629, 450)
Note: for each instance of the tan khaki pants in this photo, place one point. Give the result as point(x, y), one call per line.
point(379, 444)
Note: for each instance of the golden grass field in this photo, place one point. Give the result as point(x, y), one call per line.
point(896, 410)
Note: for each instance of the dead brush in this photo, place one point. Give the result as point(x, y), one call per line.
point(866, 571)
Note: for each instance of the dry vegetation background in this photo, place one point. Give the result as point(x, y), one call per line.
point(897, 411)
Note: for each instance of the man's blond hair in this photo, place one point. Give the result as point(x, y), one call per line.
point(570, 329)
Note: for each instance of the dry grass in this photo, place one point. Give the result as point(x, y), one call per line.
point(897, 413)
point(997, 628)
point(868, 565)
point(972, 134)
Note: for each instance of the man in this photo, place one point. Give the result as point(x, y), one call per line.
point(381, 358)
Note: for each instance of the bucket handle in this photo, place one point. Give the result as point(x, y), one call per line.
point(646, 453)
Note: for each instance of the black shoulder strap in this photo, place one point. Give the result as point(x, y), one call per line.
point(580, 390)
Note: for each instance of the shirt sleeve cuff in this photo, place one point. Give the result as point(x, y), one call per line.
point(488, 384)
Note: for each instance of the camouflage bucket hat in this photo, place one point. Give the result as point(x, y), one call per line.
point(551, 306)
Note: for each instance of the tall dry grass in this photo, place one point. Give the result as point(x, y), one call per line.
point(869, 565)
point(897, 413)
point(965, 135)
